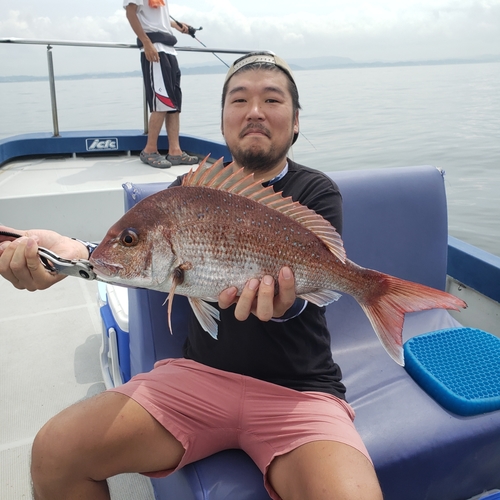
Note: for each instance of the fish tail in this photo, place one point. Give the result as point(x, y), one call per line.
point(394, 297)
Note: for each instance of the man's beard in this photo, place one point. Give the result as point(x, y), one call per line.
point(255, 159)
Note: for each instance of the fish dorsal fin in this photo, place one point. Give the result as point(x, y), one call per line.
point(234, 180)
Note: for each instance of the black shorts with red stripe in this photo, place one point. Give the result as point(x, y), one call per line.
point(162, 81)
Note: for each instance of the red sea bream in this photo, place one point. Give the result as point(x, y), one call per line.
point(222, 227)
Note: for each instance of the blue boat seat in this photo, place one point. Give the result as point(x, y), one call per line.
point(395, 221)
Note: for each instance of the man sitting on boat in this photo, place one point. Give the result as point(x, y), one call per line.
point(269, 386)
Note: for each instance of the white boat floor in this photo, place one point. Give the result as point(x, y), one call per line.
point(77, 196)
point(56, 175)
point(49, 359)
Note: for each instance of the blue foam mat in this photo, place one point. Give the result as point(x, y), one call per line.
point(458, 367)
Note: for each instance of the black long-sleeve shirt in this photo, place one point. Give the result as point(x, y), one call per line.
point(295, 353)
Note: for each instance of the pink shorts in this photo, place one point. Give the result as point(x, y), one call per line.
point(210, 410)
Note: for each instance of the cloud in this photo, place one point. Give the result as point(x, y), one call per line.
point(27, 59)
point(25, 24)
point(388, 30)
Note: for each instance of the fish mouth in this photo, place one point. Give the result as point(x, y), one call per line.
point(107, 268)
point(255, 128)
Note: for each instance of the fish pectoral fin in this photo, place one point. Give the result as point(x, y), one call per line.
point(177, 279)
point(169, 301)
point(206, 314)
point(321, 297)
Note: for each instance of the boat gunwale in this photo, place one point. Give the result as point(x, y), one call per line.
point(75, 142)
point(474, 268)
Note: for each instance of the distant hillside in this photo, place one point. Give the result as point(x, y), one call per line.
point(313, 63)
point(83, 76)
point(321, 62)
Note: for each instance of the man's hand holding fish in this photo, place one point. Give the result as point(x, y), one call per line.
point(259, 298)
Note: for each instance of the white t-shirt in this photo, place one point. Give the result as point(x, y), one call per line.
point(153, 20)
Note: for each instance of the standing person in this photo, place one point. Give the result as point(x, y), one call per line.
point(269, 385)
point(162, 78)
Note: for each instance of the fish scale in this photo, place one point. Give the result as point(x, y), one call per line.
point(222, 227)
point(234, 236)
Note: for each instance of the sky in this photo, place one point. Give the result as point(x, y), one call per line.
point(365, 31)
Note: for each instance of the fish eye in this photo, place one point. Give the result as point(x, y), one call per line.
point(129, 237)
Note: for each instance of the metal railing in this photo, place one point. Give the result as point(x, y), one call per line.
point(112, 45)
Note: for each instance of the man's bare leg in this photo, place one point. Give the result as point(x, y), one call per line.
point(324, 470)
point(109, 434)
point(156, 120)
point(172, 124)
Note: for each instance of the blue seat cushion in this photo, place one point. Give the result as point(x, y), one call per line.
point(458, 367)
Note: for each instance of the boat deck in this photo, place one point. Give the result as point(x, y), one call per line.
point(76, 195)
point(49, 359)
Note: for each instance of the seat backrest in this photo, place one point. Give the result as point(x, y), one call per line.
point(395, 221)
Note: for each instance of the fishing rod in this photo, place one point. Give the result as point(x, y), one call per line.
point(192, 31)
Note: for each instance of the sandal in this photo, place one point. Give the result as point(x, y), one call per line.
point(182, 159)
point(154, 160)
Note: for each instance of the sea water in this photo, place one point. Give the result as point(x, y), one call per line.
point(353, 118)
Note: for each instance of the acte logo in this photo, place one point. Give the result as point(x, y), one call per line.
point(101, 144)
